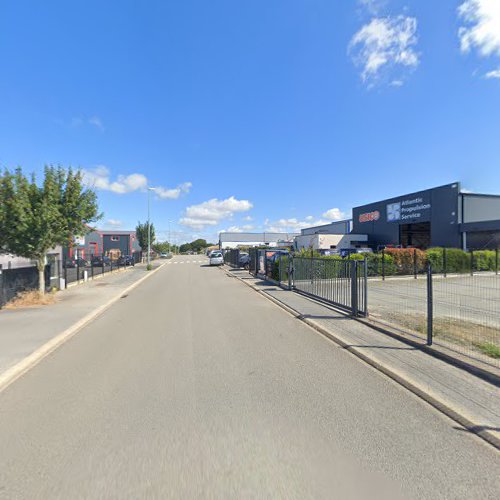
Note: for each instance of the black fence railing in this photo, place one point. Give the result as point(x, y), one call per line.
point(456, 307)
point(232, 257)
point(17, 280)
point(340, 282)
point(459, 312)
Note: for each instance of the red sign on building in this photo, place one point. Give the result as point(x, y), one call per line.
point(370, 216)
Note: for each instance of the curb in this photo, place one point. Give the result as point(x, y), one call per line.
point(23, 366)
point(421, 392)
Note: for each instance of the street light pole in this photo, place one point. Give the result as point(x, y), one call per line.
point(149, 227)
point(169, 242)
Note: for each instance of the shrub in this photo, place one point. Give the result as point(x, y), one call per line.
point(484, 260)
point(404, 259)
point(375, 267)
point(457, 261)
point(435, 258)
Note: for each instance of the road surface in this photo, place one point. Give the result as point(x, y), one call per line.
point(195, 386)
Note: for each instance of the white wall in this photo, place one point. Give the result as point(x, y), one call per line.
point(238, 244)
point(327, 241)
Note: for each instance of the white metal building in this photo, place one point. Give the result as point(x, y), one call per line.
point(237, 240)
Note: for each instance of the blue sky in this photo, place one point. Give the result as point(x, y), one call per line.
point(263, 114)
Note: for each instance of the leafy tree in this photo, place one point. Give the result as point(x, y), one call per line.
point(141, 232)
point(198, 245)
point(35, 218)
point(162, 247)
point(185, 247)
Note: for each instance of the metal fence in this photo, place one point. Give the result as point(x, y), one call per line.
point(77, 270)
point(340, 282)
point(21, 279)
point(232, 257)
point(458, 312)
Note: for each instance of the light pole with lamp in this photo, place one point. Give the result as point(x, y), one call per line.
point(149, 227)
point(169, 242)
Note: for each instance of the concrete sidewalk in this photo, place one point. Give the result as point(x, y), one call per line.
point(469, 400)
point(24, 331)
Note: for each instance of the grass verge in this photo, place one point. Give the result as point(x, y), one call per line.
point(31, 298)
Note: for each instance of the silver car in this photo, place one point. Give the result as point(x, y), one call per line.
point(216, 259)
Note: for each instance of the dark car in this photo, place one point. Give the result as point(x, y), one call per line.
point(99, 261)
point(126, 260)
point(244, 259)
point(72, 263)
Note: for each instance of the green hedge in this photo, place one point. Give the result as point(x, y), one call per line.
point(400, 261)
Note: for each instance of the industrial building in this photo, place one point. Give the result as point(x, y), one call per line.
point(237, 240)
point(443, 216)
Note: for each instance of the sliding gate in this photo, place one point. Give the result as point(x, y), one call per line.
point(341, 282)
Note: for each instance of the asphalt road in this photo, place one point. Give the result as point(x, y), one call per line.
point(195, 386)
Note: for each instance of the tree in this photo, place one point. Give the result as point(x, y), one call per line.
point(141, 231)
point(198, 245)
point(162, 247)
point(35, 218)
point(185, 247)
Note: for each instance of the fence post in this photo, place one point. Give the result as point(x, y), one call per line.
point(65, 274)
point(430, 304)
point(77, 270)
point(102, 264)
point(415, 262)
point(445, 263)
point(1, 286)
point(383, 264)
point(496, 260)
point(354, 288)
point(92, 268)
point(290, 271)
point(365, 284)
point(472, 262)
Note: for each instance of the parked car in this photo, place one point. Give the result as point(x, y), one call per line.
point(244, 259)
point(99, 261)
point(126, 260)
point(345, 252)
point(216, 258)
point(72, 263)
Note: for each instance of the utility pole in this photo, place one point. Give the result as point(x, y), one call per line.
point(149, 227)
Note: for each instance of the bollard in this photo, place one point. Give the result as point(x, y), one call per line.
point(430, 311)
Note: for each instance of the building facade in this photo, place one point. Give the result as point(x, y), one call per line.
point(236, 240)
point(442, 216)
point(103, 242)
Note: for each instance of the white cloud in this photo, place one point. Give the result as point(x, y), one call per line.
point(173, 193)
point(100, 178)
point(248, 218)
point(292, 225)
point(96, 122)
point(238, 229)
point(114, 223)
point(482, 29)
point(78, 121)
point(384, 46)
point(493, 74)
point(373, 7)
point(211, 212)
point(334, 214)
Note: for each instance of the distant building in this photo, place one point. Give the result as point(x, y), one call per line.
point(333, 236)
point(337, 227)
point(99, 242)
point(236, 240)
point(333, 242)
